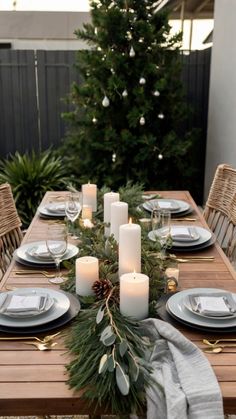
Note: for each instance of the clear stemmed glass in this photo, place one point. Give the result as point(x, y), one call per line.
point(56, 242)
point(73, 208)
point(161, 227)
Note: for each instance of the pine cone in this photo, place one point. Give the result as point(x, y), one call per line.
point(102, 288)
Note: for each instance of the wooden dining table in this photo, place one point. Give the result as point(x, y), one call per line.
point(34, 382)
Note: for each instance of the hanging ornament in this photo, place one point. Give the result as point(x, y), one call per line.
point(105, 102)
point(142, 80)
point(160, 156)
point(125, 93)
point(156, 93)
point(114, 157)
point(129, 35)
point(142, 120)
point(94, 120)
point(161, 115)
point(132, 52)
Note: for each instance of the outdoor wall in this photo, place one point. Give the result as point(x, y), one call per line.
point(42, 30)
point(221, 138)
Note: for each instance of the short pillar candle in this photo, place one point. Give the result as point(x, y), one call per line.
point(108, 198)
point(87, 212)
point(134, 295)
point(86, 270)
point(89, 191)
point(119, 216)
point(129, 248)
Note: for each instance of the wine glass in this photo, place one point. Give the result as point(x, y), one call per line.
point(161, 227)
point(56, 243)
point(73, 208)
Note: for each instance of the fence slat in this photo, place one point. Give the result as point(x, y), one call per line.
point(18, 104)
point(56, 72)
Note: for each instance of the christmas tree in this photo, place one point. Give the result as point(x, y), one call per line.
point(129, 110)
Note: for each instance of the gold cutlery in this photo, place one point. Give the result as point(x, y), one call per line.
point(28, 272)
point(183, 219)
point(218, 349)
point(195, 259)
point(214, 343)
point(41, 346)
point(47, 339)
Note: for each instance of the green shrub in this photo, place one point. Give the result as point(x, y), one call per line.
point(30, 176)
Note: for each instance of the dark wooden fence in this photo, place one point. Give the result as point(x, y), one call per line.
point(33, 85)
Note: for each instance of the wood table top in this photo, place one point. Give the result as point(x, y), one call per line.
point(34, 382)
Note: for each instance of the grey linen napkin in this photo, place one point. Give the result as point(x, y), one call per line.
point(186, 384)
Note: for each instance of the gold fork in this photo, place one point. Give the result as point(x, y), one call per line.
point(46, 340)
point(45, 273)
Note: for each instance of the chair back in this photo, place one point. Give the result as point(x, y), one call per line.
point(10, 223)
point(220, 208)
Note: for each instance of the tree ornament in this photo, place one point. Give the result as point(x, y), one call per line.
point(142, 120)
point(142, 80)
point(114, 157)
point(94, 120)
point(132, 52)
point(129, 35)
point(160, 156)
point(112, 71)
point(102, 288)
point(161, 115)
point(156, 93)
point(105, 102)
point(125, 93)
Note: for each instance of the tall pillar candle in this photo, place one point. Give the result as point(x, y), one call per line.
point(119, 216)
point(89, 191)
point(134, 295)
point(108, 198)
point(86, 270)
point(129, 248)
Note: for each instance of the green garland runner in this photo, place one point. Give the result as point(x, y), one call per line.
point(110, 353)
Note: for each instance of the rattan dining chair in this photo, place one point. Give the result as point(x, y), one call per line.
point(220, 208)
point(10, 223)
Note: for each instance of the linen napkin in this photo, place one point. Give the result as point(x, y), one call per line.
point(184, 233)
point(22, 303)
point(214, 306)
point(186, 386)
point(56, 207)
point(41, 251)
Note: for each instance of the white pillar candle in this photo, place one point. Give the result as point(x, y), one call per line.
point(86, 270)
point(119, 216)
point(129, 248)
point(108, 198)
point(89, 191)
point(87, 212)
point(134, 295)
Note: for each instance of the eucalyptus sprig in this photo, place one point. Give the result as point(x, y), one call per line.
point(110, 363)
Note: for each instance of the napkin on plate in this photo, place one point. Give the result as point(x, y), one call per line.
point(56, 207)
point(215, 306)
point(184, 233)
point(17, 304)
point(40, 251)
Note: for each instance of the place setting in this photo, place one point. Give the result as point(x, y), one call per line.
point(177, 207)
point(184, 238)
point(26, 311)
point(48, 253)
point(209, 309)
